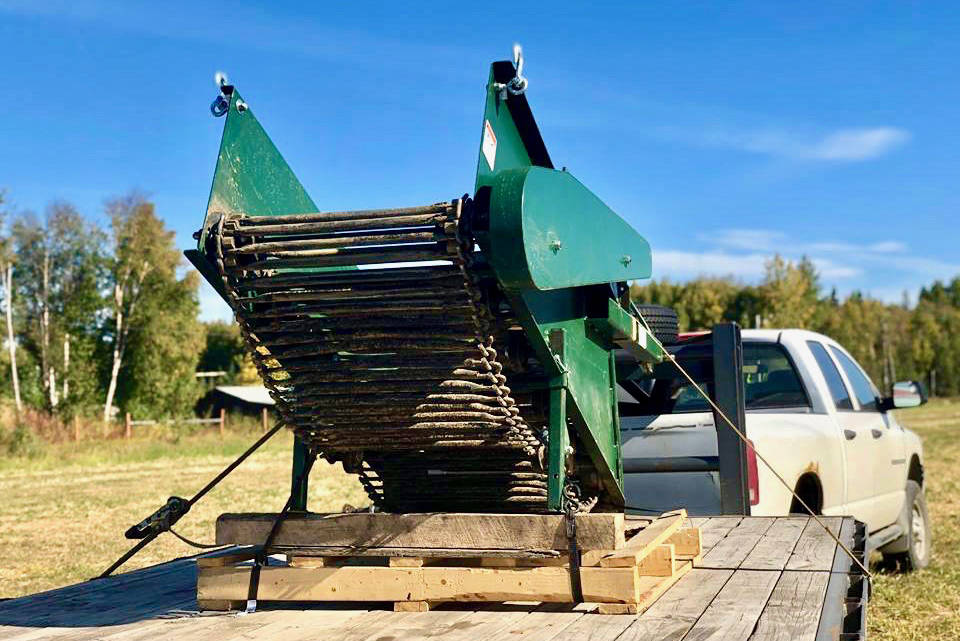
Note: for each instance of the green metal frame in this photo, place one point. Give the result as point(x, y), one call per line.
point(553, 245)
point(252, 177)
point(551, 242)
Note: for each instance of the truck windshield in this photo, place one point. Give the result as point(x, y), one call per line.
point(770, 381)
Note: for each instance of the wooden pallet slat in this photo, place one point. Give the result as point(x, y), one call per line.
point(626, 575)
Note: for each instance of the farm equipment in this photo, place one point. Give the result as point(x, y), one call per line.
point(458, 356)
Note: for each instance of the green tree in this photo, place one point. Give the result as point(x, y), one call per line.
point(223, 350)
point(59, 279)
point(154, 337)
point(790, 293)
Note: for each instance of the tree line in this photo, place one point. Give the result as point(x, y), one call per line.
point(98, 319)
point(892, 341)
point(104, 319)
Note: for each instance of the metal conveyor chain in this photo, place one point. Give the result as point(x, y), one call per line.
point(373, 338)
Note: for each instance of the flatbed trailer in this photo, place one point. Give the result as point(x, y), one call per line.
point(758, 578)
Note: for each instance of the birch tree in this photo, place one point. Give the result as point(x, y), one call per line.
point(154, 336)
point(58, 272)
point(6, 277)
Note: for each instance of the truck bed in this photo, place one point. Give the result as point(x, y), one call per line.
point(759, 578)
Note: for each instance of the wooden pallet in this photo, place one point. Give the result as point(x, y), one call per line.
point(625, 564)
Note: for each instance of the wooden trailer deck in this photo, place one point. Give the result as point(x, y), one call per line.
point(759, 578)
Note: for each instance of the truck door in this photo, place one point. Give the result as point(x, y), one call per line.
point(856, 439)
point(886, 445)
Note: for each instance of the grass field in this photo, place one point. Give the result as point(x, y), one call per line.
point(64, 511)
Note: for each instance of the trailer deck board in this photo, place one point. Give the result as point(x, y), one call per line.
point(771, 594)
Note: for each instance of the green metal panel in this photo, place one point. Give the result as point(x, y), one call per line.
point(549, 238)
point(510, 151)
point(251, 176)
point(548, 231)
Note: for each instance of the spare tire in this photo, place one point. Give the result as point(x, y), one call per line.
point(662, 321)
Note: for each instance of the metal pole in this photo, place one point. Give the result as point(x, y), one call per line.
point(728, 394)
point(298, 479)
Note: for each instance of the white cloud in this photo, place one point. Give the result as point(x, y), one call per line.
point(858, 144)
point(831, 269)
point(842, 145)
point(748, 239)
point(679, 264)
point(882, 269)
point(774, 241)
point(888, 246)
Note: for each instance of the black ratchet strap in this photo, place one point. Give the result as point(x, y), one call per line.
point(262, 557)
point(571, 505)
point(576, 587)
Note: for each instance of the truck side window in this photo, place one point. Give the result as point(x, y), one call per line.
point(838, 390)
point(770, 379)
point(862, 387)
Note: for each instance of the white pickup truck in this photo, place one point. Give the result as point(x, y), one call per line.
point(814, 414)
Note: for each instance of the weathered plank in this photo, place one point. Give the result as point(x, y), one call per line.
point(734, 611)
point(425, 553)
point(480, 531)
point(359, 583)
point(793, 611)
point(730, 551)
point(400, 626)
point(544, 624)
point(715, 528)
point(595, 627)
point(775, 547)
point(486, 623)
point(815, 547)
point(678, 609)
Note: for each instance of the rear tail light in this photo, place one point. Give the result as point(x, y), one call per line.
point(753, 481)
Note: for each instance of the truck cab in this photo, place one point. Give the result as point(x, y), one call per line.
point(813, 414)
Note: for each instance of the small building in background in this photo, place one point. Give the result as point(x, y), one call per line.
point(247, 400)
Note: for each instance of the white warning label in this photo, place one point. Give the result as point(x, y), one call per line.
point(489, 145)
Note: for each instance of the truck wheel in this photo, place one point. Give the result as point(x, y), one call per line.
point(914, 545)
point(662, 322)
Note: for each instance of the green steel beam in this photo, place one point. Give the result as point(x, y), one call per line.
point(627, 332)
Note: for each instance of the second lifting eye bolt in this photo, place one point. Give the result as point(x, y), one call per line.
point(518, 84)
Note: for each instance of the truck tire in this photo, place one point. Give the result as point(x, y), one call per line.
point(662, 322)
point(913, 548)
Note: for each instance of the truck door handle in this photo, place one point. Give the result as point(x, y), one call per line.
point(849, 434)
point(876, 433)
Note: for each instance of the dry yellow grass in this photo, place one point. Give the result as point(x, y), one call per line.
point(926, 604)
point(63, 514)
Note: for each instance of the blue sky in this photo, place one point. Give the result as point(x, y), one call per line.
point(724, 132)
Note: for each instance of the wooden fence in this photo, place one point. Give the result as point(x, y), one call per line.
point(220, 422)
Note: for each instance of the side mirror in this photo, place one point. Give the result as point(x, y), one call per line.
point(905, 394)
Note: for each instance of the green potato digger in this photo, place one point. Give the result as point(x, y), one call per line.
point(461, 356)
